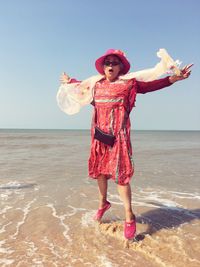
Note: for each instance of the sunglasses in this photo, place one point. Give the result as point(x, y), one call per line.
point(111, 63)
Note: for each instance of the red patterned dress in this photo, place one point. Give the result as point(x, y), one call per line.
point(113, 101)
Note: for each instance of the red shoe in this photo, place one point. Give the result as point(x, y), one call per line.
point(100, 212)
point(130, 229)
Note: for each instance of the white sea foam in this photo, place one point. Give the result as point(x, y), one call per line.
point(6, 262)
point(61, 219)
point(2, 250)
point(185, 195)
point(3, 227)
point(5, 209)
point(105, 262)
point(32, 249)
point(37, 263)
point(57, 251)
point(26, 210)
point(74, 210)
point(115, 199)
point(51, 247)
point(147, 199)
point(87, 218)
point(152, 198)
point(5, 195)
point(5, 250)
point(157, 198)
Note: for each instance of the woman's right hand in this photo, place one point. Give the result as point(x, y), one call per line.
point(64, 78)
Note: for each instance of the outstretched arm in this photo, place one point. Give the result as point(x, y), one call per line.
point(64, 78)
point(145, 87)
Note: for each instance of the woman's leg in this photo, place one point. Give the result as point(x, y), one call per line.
point(125, 194)
point(103, 185)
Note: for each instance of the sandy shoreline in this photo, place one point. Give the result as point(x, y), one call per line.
point(40, 230)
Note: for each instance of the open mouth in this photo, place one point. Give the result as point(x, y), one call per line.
point(110, 70)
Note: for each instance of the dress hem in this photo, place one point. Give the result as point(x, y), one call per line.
point(109, 176)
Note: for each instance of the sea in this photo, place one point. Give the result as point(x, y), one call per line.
point(47, 202)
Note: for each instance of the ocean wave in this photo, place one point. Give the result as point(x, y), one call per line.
point(17, 185)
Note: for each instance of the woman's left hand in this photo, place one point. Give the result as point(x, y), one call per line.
point(184, 74)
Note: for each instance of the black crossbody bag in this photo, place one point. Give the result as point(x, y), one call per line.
point(108, 139)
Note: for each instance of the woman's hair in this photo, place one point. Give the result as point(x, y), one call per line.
point(121, 67)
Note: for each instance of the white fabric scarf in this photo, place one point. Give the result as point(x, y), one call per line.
point(72, 96)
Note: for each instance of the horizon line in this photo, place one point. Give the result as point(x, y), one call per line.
point(88, 129)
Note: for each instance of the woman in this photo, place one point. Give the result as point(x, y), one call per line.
point(114, 94)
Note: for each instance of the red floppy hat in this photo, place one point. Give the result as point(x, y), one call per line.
point(120, 54)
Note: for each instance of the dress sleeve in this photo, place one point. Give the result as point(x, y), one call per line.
point(73, 80)
point(146, 87)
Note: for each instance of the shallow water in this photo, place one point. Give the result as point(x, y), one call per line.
point(47, 202)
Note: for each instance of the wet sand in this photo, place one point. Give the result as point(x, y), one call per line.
point(47, 230)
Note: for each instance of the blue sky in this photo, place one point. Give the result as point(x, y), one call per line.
point(42, 38)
